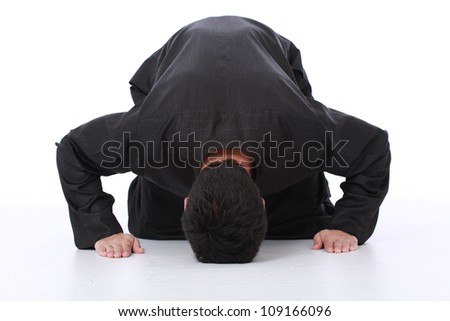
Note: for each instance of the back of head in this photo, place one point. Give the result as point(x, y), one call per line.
point(225, 219)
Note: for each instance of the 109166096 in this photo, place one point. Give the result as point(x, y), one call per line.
point(295, 311)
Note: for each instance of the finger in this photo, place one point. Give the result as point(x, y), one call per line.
point(317, 242)
point(345, 246)
point(328, 245)
point(109, 251)
point(137, 248)
point(353, 244)
point(126, 252)
point(337, 244)
point(117, 251)
point(101, 250)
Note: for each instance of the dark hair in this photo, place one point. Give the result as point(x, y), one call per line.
point(225, 219)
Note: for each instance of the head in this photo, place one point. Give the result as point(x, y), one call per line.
point(224, 218)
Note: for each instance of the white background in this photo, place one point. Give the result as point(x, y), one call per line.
point(63, 63)
point(66, 62)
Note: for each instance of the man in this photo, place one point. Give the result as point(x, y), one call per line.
point(225, 129)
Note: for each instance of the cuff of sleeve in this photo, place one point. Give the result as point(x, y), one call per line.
point(93, 227)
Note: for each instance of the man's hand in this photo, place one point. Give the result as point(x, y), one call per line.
point(118, 245)
point(335, 241)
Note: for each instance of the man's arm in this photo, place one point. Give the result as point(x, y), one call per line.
point(359, 152)
point(367, 174)
point(79, 158)
point(81, 162)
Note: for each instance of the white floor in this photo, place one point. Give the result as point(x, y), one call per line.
point(406, 259)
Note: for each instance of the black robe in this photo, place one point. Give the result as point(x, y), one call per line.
point(225, 82)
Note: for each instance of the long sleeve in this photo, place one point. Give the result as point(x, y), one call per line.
point(359, 152)
point(365, 187)
point(83, 156)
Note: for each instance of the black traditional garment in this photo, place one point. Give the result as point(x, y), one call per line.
point(225, 82)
